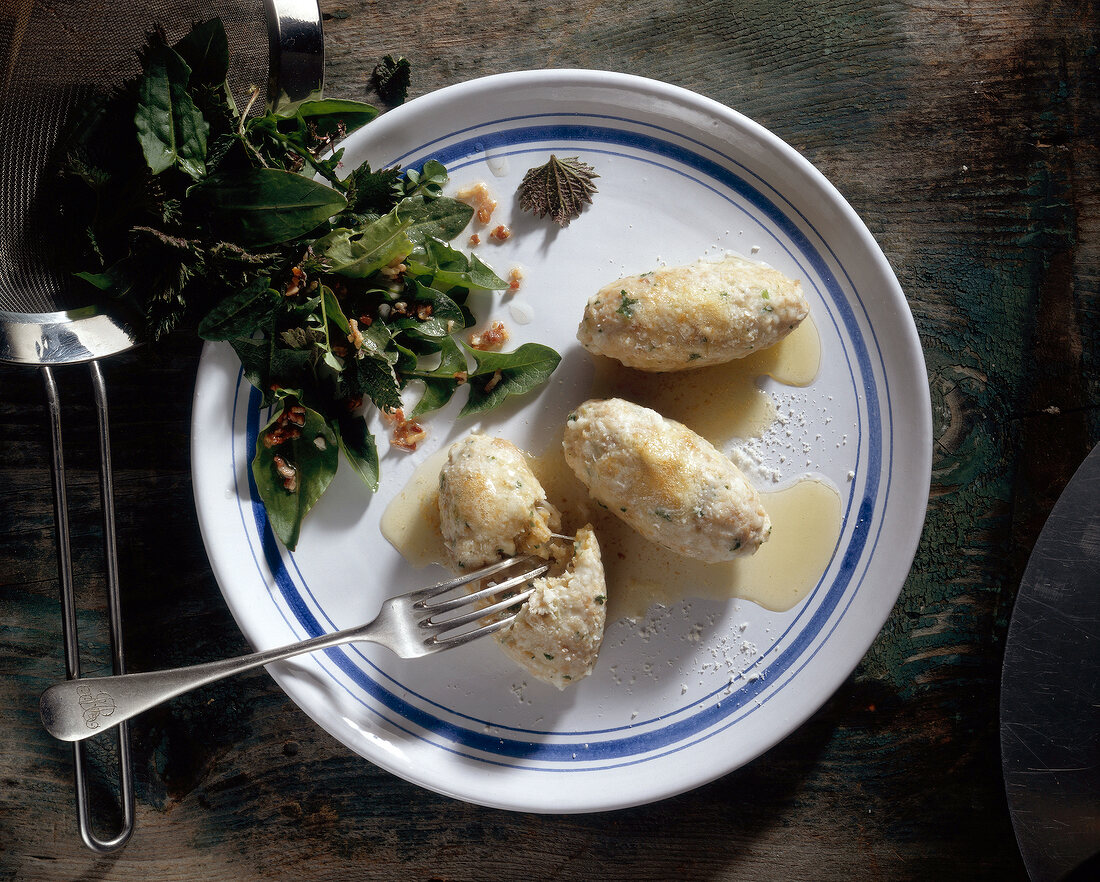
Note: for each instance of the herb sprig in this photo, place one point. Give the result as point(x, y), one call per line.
point(333, 291)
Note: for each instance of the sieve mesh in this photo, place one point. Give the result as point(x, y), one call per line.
point(53, 55)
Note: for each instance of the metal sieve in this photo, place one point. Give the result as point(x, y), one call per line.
point(53, 55)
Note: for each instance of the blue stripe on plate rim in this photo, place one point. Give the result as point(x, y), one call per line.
point(640, 744)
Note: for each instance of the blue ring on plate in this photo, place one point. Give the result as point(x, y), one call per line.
point(639, 742)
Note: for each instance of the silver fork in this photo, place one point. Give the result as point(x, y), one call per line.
point(411, 625)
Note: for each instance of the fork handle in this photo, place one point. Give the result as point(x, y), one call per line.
point(80, 708)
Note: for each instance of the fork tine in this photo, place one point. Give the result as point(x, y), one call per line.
point(442, 606)
point(458, 581)
point(437, 642)
point(458, 621)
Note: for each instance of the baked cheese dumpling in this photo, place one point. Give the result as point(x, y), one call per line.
point(557, 633)
point(664, 480)
point(687, 317)
point(491, 505)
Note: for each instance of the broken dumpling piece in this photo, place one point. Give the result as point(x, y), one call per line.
point(686, 317)
point(557, 633)
point(664, 480)
point(491, 505)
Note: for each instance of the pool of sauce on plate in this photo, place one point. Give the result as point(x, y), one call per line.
point(720, 403)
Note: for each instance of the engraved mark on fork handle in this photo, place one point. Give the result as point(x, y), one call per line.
point(94, 705)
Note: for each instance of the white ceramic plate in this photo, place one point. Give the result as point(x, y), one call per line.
point(680, 177)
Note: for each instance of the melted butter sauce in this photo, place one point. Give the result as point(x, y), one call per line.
point(720, 403)
point(410, 522)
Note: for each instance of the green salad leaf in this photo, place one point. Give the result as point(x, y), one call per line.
point(336, 288)
point(293, 466)
point(499, 375)
point(170, 128)
point(357, 253)
point(257, 207)
point(206, 50)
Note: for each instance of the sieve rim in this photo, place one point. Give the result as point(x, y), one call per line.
point(68, 336)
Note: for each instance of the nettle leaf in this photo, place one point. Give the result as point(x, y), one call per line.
point(358, 253)
point(312, 458)
point(391, 78)
point(499, 375)
point(206, 51)
point(359, 447)
point(170, 128)
point(442, 218)
point(372, 191)
point(373, 377)
point(241, 314)
point(561, 189)
point(258, 207)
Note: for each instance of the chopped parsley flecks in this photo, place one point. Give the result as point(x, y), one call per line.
point(626, 308)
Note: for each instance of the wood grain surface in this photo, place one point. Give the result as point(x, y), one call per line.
point(965, 135)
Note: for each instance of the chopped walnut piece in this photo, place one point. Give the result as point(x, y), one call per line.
point(394, 269)
point(478, 197)
point(287, 427)
point(294, 285)
point(407, 434)
point(297, 415)
point(501, 233)
point(492, 338)
point(355, 336)
point(514, 278)
point(493, 381)
point(287, 472)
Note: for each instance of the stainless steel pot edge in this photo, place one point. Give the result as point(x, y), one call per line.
point(296, 70)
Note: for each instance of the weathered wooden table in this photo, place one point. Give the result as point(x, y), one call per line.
point(966, 137)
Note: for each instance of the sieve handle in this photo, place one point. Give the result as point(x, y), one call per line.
point(68, 605)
